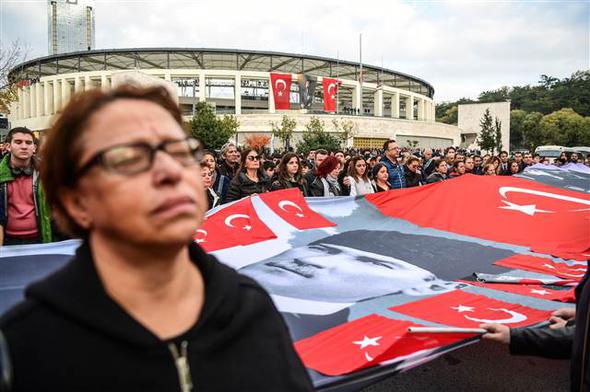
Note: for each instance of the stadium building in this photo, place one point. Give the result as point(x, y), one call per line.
point(380, 103)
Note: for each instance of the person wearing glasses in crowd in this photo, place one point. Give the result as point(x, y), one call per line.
point(360, 184)
point(289, 174)
point(397, 177)
point(140, 307)
point(412, 172)
point(250, 178)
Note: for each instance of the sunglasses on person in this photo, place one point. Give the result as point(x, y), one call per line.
point(253, 157)
point(134, 158)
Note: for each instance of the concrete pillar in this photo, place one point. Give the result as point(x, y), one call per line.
point(39, 104)
point(395, 105)
point(433, 111)
point(20, 106)
point(378, 103)
point(56, 96)
point(26, 102)
point(357, 98)
point(410, 108)
point(47, 98)
point(65, 92)
point(104, 82)
point(238, 93)
point(202, 87)
point(167, 77)
point(77, 85)
point(88, 85)
point(421, 109)
point(271, 97)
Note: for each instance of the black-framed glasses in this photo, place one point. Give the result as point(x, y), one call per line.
point(134, 158)
point(253, 157)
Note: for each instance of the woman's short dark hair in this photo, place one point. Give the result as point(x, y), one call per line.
point(376, 169)
point(62, 149)
point(329, 164)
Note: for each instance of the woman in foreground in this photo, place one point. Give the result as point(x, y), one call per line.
point(140, 307)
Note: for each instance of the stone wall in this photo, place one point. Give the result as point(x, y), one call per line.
point(471, 114)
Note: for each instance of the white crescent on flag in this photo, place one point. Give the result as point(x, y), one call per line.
point(283, 203)
point(280, 81)
point(331, 86)
point(229, 219)
point(505, 189)
point(514, 318)
point(204, 232)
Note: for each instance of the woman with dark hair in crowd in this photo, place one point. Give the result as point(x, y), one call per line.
point(440, 172)
point(326, 180)
point(343, 181)
point(289, 174)
point(155, 311)
point(357, 175)
point(513, 167)
point(220, 183)
point(207, 177)
point(489, 169)
point(494, 160)
point(412, 172)
point(250, 178)
point(380, 178)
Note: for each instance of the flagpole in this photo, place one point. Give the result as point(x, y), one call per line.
point(361, 70)
point(337, 69)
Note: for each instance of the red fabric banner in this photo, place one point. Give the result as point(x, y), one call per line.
point(281, 90)
point(543, 266)
point(462, 309)
point(530, 290)
point(366, 342)
point(237, 224)
point(330, 91)
point(291, 206)
point(513, 210)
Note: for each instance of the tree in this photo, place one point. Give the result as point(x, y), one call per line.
point(345, 129)
point(530, 130)
point(9, 58)
point(285, 130)
point(497, 135)
point(315, 137)
point(564, 127)
point(257, 142)
point(517, 117)
point(212, 131)
point(487, 137)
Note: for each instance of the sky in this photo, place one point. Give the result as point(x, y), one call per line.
point(460, 47)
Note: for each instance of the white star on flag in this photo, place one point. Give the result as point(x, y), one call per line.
point(199, 240)
point(299, 215)
point(462, 308)
point(530, 209)
point(247, 227)
point(540, 292)
point(549, 266)
point(368, 342)
point(280, 93)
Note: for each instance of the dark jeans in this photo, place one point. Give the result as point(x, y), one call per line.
point(20, 241)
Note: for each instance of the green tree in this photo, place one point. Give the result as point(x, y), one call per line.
point(497, 135)
point(487, 136)
point(564, 127)
point(451, 115)
point(212, 131)
point(517, 117)
point(530, 130)
point(10, 56)
point(315, 137)
point(345, 129)
point(285, 130)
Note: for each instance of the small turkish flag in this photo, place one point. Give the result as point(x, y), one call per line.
point(366, 342)
point(237, 224)
point(281, 90)
point(544, 266)
point(462, 309)
point(291, 206)
point(531, 290)
point(330, 91)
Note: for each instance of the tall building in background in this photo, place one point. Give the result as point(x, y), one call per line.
point(70, 25)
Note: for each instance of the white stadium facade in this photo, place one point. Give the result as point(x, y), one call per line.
point(380, 103)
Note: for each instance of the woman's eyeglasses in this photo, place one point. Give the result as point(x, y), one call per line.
point(253, 157)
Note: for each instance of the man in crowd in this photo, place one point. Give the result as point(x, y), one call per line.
point(319, 157)
point(477, 165)
point(528, 159)
point(230, 160)
point(469, 165)
point(397, 177)
point(24, 214)
point(504, 167)
point(518, 159)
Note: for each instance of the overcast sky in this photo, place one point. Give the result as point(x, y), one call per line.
point(460, 47)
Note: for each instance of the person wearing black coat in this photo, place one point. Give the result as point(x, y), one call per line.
point(250, 179)
point(289, 174)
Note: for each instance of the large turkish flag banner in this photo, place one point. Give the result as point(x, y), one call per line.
point(281, 90)
point(366, 342)
point(291, 206)
point(531, 290)
point(237, 224)
point(544, 266)
point(499, 208)
point(462, 309)
point(330, 91)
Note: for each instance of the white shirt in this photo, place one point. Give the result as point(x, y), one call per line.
point(361, 187)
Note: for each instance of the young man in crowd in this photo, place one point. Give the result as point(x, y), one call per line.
point(319, 156)
point(397, 177)
point(504, 166)
point(477, 165)
point(469, 165)
point(230, 160)
point(24, 214)
point(518, 159)
point(528, 159)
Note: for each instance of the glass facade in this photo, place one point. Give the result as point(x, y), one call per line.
point(70, 25)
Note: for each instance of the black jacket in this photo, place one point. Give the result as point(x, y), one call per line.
point(435, 177)
point(412, 179)
point(281, 183)
point(241, 186)
point(228, 170)
point(69, 335)
point(542, 342)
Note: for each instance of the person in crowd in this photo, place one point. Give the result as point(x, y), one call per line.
point(371, 162)
point(25, 217)
point(574, 158)
point(341, 157)
point(489, 169)
point(496, 162)
point(503, 168)
point(304, 167)
point(154, 310)
point(250, 178)
point(469, 165)
point(213, 198)
point(360, 184)
point(311, 157)
point(439, 173)
point(343, 179)
point(325, 182)
point(381, 178)
point(536, 159)
point(562, 159)
point(528, 160)
point(513, 167)
point(289, 174)
point(427, 155)
point(220, 183)
point(230, 160)
point(458, 169)
point(412, 172)
point(478, 165)
point(450, 156)
point(519, 159)
point(397, 177)
point(269, 168)
point(319, 157)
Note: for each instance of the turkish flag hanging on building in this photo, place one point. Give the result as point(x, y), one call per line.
point(499, 208)
point(462, 309)
point(330, 93)
point(291, 206)
point(237, 224)
point(366, 342)
point(531, 290)
point(544, 266)
point(281, 90)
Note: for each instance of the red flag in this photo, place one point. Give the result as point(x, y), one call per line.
point(281, 90)
point(330, 91)
point(366, 342)
point(531, 290)
point(544, 266)
point(499, 208)
point(462, 309)
point(291, 206)
point(237, 224)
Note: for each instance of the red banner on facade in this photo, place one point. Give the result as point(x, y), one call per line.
point(281, 90)
point(330, 91)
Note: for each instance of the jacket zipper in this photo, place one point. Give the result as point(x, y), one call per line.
point(182, 366)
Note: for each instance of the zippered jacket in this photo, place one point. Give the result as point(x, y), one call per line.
point(70, 335)
point(397, 176)
point(42, 211)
